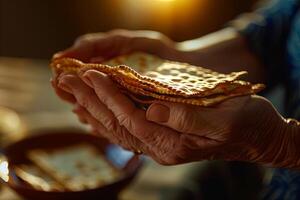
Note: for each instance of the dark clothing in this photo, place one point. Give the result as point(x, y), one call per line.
point(273, 33)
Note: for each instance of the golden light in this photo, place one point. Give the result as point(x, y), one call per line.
point(162, 15)
point(4, 172)
point(166, 0)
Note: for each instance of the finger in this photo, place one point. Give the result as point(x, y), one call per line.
point(79, 114)
point(81, 52)
point(80, 117)
point(86, 97)
point(90, 37)
point(181, 117)
point(91, 46)
point(107, 45)
point(129, 143)
point(96, 125)
point(98, 59)
point(190, 120)
point(127, 114)
point(95, 52)
point(162, 141)
point(83, 48)
point(196, 142)
point(135, 145)
point(62, 94)
point(101, 130)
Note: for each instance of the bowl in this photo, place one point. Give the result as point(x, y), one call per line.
point(15, 155)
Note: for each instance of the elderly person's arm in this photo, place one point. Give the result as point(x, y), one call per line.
point(224, 51)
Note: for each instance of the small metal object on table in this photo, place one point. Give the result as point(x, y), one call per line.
point(25, 88)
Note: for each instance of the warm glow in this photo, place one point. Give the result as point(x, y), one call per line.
point(4, 171)
point(165, 0)
point(162, 15)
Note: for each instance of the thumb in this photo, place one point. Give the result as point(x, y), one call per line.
point(180, 117)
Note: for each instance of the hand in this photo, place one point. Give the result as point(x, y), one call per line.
point(242, 128)
point(98, 47)
point(109, 120)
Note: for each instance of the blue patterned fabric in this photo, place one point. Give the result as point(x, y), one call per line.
point(273, 33)
point(284, 185)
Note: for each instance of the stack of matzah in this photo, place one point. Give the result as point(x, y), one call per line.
point(146, 78)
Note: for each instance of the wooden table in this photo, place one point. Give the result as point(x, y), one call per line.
point(25, 88)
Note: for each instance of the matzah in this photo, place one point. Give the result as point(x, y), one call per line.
point(38, 179)
point(147, 78)
point(76, 168)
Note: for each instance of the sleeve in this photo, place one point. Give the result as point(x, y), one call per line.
point(266, 31)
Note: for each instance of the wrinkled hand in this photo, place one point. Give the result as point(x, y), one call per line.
point(98, 47)
point(242, 128)
point(114, 116)
point(172, 133)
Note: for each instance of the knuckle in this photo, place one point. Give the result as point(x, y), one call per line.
point(110, 124)
point(122, 133)
point(131, 141)
point(184, 120)
point(124, 120)
point(188, 141)
point(135, 144)
point(158, 141)
point(104, 98)
point(85, 101)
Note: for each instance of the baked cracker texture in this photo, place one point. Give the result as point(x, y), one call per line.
point(147, 78)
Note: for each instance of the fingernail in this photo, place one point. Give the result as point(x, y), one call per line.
point(90, 76)
point(64, 87)
point(85, 77)
point(158, 113)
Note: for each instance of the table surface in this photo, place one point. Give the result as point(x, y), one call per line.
point(25, 88)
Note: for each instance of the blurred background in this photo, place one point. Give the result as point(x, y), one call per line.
point(37, 29)
point(31, 31)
